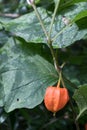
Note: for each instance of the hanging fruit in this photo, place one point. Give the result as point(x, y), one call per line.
point(55, 98)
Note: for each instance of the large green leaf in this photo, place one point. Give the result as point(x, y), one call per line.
point(80, 97)
point(74, 32)
point(80, 15)
point(25, 75)
point(65, 4)
point(76, 1)
point(30, 29)
point(3, 37)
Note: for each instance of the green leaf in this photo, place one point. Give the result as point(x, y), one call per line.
point(71, 33)
point(25, 75)
point(80, 16)
point(3, 38)
point(29, 28)
point(66, 4)
point(76, 1)
point(1, 93)
point(80, 97)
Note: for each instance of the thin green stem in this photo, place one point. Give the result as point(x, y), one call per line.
point(54, 58)
point(60, 32)
point(40, 20)
point(63, 84)
point(74, 115)
point(46, 34)
point(53, 18)
point(58, 68)
point(69, 82)
point(59, 81)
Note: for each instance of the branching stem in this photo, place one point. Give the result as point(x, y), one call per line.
point(57, 67)
point(53, 18)
point(49, 42)
point(40, 20)
point(74, 116)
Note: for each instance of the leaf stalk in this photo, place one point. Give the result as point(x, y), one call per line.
point(53, 18)
point(40, 20)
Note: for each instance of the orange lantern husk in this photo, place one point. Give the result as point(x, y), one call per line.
point(55, 98)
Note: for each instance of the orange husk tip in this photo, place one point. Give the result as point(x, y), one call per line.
point(55, 98)
point(86, 126)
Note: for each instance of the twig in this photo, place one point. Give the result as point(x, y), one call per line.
point(69, 82)
point(57, 67)
point(74, 116)
point(53, 18)
point(9, 15)
point(50, 122)
point(40, 20)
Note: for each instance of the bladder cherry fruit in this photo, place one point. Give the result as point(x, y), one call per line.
point(55, 98)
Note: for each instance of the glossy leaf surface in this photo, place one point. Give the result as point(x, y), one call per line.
point(24, 76)
point(80, 97)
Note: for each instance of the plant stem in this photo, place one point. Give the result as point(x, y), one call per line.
point(57, 67)
point(74, 116)
point(49, 41)
point(53, 18)
point(40, 20)
point(58, 85)
point(69, 82)
point(63, 84)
